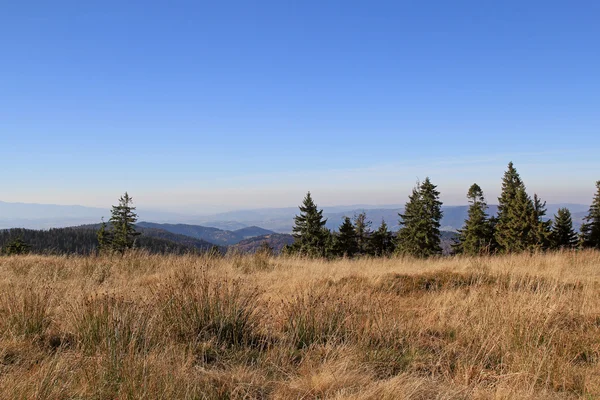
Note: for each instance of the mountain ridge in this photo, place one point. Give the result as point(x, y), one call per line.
point(209, 234)
point(279, 220)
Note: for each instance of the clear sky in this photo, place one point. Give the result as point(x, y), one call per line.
point(202, 105)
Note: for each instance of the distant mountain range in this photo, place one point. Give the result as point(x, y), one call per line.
point(276, 241)
point(281, 220)
point(231, 227)
point(153, 232)
point(209, 234)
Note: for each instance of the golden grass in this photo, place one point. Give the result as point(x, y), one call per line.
point(245, 327)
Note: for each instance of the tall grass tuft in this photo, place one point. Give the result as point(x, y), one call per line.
point(24, 311)
point(197, 308)
point(111, 324)
point(319, 315)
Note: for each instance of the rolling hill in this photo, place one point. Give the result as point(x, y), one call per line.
point(82, 240)
point(213, 235)
point(162, 234)
point(276, 241)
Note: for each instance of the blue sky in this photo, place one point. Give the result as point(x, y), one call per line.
point(193, 105)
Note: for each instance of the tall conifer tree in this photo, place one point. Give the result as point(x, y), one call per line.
point(541, 230)
point(475, 237)
point(309, 229)
point(330, 250)
point(420, 232)
point(347, 240)
point(104, 238)
point(381, 242)
point(362, 227)
point(122, 222)
point(590, 230)
point(563, 235)
point(515, 210)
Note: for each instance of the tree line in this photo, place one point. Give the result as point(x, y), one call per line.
point(519, 226)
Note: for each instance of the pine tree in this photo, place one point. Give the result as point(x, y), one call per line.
point(122, 222)
point(407, 242)
point(347, 239)
point(363, 231)
point(515, 210)
point(475, 237)
point(590, 230)
point(541, 230)
point(420, 232)
point(330, 247)
point(309, 230)
point(381, 242)
point(493, 222)
point(522, 225)
point(104, 238)
point(563, 235)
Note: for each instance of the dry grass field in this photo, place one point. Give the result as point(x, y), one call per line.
point(162, 327)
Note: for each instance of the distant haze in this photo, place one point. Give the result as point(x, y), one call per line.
point(40, 216)
point(547, 174)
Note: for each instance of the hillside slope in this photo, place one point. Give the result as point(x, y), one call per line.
point(82, 240)
point(182, 327)
point(277, 241)
point(212, 235)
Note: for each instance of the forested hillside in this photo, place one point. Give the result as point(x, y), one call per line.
point(213, 235)
point(161, 234)
point(275, 241)
point(78, 240)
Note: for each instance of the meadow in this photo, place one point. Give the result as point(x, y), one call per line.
point(244, 327)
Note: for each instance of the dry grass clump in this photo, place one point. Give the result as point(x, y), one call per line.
point(245, 327)
point(24, 311)
point(196, 308)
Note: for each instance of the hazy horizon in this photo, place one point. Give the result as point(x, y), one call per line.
point(382, 185)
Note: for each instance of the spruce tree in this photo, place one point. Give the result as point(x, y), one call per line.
point(362, 227)
point(381, 242)
point(563, 235)
point(347, 239)
point(407, 242)
point(590, 230)
point(515, 211)
point(420, 232)
point(493, 222)
point(122, 222)
point(309, 230)
point(541, 230)
point(104, 238)
point(475, 237)
point(330, 240)
point(522, 225)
